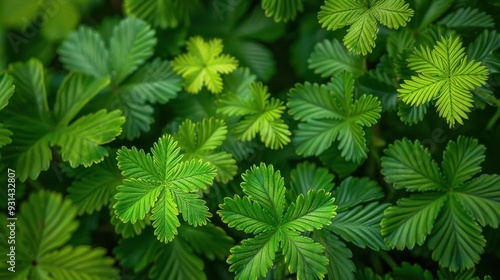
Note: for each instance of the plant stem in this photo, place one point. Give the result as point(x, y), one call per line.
point(387, 258)
point(490, 97)
point(493, 120)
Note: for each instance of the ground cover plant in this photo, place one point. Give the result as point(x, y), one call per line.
point(231, 139)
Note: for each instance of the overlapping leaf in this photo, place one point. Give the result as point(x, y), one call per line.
point(331, 113)
point(261, 114)
point(262, 212)
point(202, 140)
point(80, 138)
point(450, 208)
point(159, 182)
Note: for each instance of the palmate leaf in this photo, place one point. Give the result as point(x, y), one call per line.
point(262, 212)
point(137, 252)
point(444, 75)
point(450, 214)
point(282, 10)
point(80, 139)
point(203, 65)
point(331, 113)
point(353, 191)
point(262, 114)
point(128, 229)
point(363, 16)
point(159, 182)
point(331, 57)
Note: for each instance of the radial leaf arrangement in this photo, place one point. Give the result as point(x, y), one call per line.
point(162, 13)
point(449, 204)
point(36, 128)
point(446, 75)
point(363, 17)
point(263, 211)
point(6, 91)
point(260, 113)
point(163, 184)
point(202, 141)
point(282, 10)
point(135, 83)
point(46, 223)
point(330, 112)
point(203, 65)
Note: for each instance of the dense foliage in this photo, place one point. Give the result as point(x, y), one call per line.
point(231, 139)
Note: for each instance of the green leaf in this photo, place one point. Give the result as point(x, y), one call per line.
point(339, 266)
point(361, 225)
point(282, 10)
point(47, 222)
point(481, 198)
point(5, 135)
point(265, 186)
point(193, 208)
point(137, 252)
point(243, 214)
point(303, 256)
point(254, 257)
point(353, 191)
point(6, 89)
point(74, 93)
point(331, 57)
point(131, 43)
point(407, 270)
point(80, 262)
point(137, 112)
point(411, 220)
point(428, 11)
point(128, 229)
point(161, 13)
point(467, 18)
point(309, 212)
point(444, 75)
point(312, 101)
point(95, 186)
point(153, 82)
point(165, 184)
point(203, 65)
point(409, 165)
point(456, 239)
point(210, 240)
point(177, 261)
point(164, 216)
point(84, 51)
point(81, 141)
point(342, 118)
point(363, 16)
point(462, 160)
point(484, 45)
point(306, 176)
